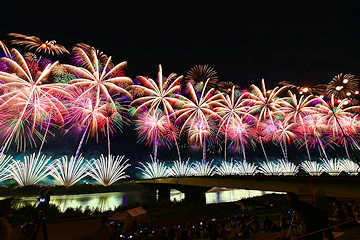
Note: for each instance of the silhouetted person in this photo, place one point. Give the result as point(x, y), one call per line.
point(5, 212)
point(104, 231)
point(223, 234)
point(311, 219)
point(339, 215)
point(254, 225)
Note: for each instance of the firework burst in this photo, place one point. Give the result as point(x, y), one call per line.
point(181, 169)
point(108, 170)
point(204, 168)
point(154, 169)
point(30, 171)
point(312, 167)
point(4, 160)
point(343, 86)
point(67, 172)
point(200, 74)
point(31, 42)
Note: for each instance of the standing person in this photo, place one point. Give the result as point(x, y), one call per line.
point(5, 212)
point(311, 219)
point(254, 225)
point(339, 215)
point(223, 234)
point(104, 231)
point(356, 210)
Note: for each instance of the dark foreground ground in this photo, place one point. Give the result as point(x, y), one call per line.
point(184, 214)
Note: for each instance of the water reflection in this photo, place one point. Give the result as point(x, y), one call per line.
point(100, 201)
point(222, 195)
point(110, 201)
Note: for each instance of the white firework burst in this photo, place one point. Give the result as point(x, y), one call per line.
point(204, 168)
point(312, 167)
point(331, 166)
point(67, 172)
point(246, 168)
point(181, 169)
point(287, 168)
point(270, 168)
point(30, 171)
point(349, 166)
point(227, 168)
point(154, 169)
point(108, 170)
point(4, 160)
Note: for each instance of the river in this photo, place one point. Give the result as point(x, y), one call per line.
point(111, 200)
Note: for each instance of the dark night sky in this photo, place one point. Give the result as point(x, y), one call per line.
point(297, 41)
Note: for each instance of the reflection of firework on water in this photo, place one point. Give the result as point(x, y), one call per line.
point(30, 171)
point(202, 73)
point(204, 168)
point(108, 170)
point(309, 89)
point(246, 168)
point(312, 167)
point(343, 86)
point(154, 169)
point(31, 42)
point(181, 169)
point(227, 168)
point(68, 172)
point(4, 160)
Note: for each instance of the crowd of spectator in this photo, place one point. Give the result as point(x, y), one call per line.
point(305, 214)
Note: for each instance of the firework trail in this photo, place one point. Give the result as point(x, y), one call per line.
point(296, 110)
point(230, 108)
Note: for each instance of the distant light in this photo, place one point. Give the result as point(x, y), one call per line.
point(229, 89)
point(301, 92)
point(339, 100)
point(348, 94)
point(345, 81)
point(346, 102)
point(356, 92)
point(268, 91)
point(339, 88)
point(321, 96)
point(202, 83)
point(43, 46)
point(305, 89)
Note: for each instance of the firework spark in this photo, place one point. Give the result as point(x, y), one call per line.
point(200, 74)
point(343, 86)
point(31, 42)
